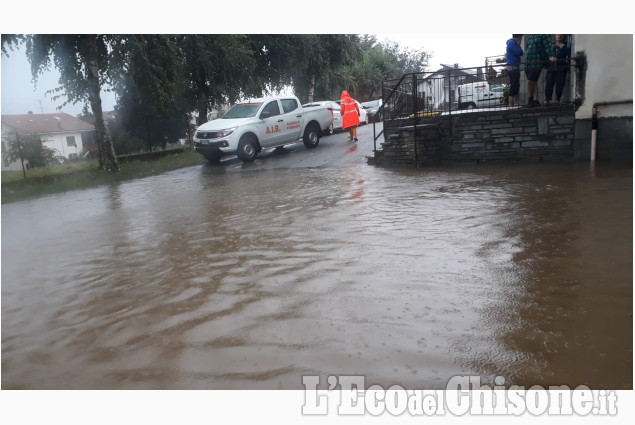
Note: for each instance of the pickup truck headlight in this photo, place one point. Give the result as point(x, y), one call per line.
point(226, 132)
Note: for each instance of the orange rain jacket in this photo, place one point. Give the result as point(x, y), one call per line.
point(350, 111)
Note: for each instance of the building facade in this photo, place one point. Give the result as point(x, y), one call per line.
point(61, 132)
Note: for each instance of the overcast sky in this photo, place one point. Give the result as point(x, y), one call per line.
point(19, 96)
point(468, 50)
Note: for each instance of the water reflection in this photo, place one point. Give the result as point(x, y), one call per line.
point(223, 277)
point(571, 306)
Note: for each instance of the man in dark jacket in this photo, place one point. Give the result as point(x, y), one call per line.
point(558, 70)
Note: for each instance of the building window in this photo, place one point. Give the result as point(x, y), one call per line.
point(70, 141)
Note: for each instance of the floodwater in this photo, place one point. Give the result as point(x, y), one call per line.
point(208, 278)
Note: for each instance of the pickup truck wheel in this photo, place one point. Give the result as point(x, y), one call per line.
point(247, 148)
point(311, 136)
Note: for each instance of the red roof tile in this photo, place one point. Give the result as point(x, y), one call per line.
point(46, 123)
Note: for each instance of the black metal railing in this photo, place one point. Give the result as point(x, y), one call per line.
point(423, 95)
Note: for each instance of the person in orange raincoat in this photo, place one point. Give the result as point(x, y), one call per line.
point(350, 115)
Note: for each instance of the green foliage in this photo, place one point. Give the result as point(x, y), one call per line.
point(379, 62)
point(316, 59)
point(217, 69)
point(11, 42)
point(69, 53)
point(274, 61)
point(149, 66)
point(139, 125)
point(31, 150)
point(126, 142)
point(86, 115)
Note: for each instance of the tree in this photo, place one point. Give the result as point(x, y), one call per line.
point(379, 62)
point(316, 59)
point(89, 62)
point(220, 69)
point(82, 60)
point(31, 149)
point(217, 69)
point(154, 101)
point(135, 120)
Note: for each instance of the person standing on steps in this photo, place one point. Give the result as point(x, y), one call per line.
point(537, 53)
point(513, 54)
point(558, 70)
point(350, 115)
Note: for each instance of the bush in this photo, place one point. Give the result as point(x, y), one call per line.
point(31, 149)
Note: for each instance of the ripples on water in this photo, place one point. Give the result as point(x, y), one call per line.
point(245, 280)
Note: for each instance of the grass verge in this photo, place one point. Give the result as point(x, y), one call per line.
point(85, 174)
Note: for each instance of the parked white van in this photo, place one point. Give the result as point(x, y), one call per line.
point(478, 94)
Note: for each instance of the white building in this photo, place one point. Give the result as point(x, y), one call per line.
point(603, 83)
point(61, 132)
point(609, 73)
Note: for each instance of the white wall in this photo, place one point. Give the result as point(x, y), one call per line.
point(609, 75)
point(52, 141)
point(58, 142)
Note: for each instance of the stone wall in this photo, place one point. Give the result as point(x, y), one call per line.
point(519, 135)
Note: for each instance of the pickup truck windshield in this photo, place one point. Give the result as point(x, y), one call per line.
point(243, 110)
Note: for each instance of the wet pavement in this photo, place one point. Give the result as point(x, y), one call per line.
point(310, 262)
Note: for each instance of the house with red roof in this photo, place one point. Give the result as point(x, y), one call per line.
point(65, 134)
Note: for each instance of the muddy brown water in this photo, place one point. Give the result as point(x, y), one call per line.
point(208, 278)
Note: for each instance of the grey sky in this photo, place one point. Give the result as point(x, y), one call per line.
point(19, 96)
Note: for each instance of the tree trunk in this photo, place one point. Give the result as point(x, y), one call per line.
point(188, 130)
point(17, 138)
point(148, 135)
point(107, 155)
point(311, 89)
point(202, 108)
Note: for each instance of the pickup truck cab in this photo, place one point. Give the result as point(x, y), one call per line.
point(267, 122)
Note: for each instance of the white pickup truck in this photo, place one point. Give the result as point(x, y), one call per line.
point(268, 122)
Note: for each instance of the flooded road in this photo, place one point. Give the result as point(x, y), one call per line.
point(250, 276)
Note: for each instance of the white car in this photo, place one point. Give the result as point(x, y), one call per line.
point(335, 108)
point(372, 107)
point(363, 115)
